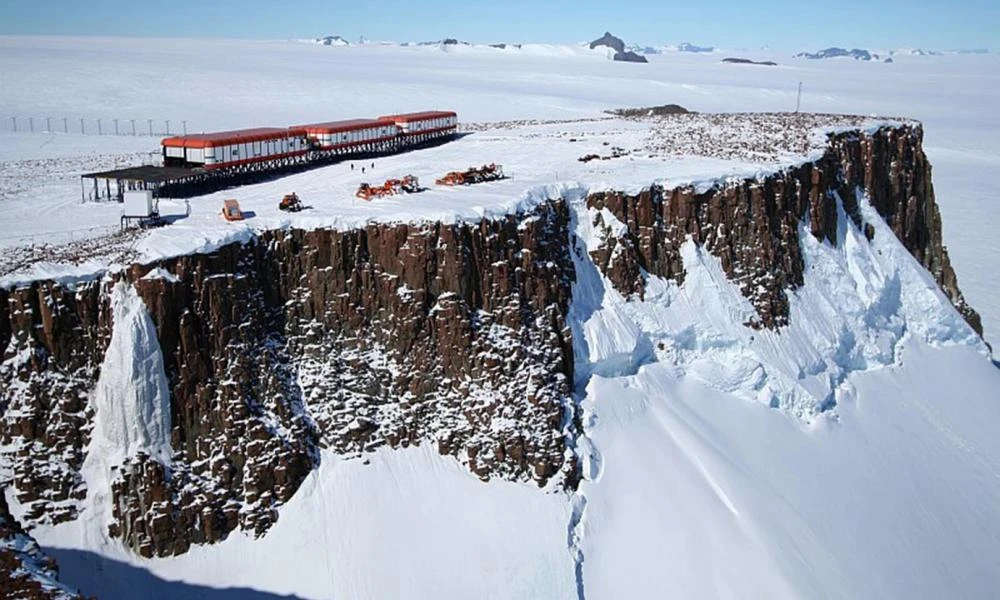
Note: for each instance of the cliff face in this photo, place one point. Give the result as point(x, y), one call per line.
point(390, 335)
point(54, 339)
point(753, 226)
point(396, 335)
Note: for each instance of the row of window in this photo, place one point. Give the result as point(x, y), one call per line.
point(234, 152)
point(414, 126)
point(357, 135)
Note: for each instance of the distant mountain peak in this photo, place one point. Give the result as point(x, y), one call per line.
point(610, 41)
point(834, 52)
point(616, 44)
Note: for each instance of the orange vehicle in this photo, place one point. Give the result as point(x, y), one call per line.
point(367, 191)
point(231, 210)
point(490, 172)
point(408, 184)
point(290, 202)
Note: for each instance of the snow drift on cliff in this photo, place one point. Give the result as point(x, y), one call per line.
point(875, 477)
point(132, 400)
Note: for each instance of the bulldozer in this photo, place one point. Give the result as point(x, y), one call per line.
point(490, 172)
point(290, 203)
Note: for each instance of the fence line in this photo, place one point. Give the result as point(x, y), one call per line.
point(94, 126)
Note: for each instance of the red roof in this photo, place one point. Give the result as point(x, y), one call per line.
point(225, 138)
point(418, 116)
point(337, 126)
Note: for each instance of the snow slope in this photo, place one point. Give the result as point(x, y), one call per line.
point(703, 497)
point(401, 524)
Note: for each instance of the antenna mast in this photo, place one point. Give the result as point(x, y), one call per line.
point(798, 99)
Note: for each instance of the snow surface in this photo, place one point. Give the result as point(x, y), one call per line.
point(401, 524)
point(704, 497)
point(852, 454)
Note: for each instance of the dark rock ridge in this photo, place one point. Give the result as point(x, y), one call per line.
point(747, 61)
point(616, 44)
point(392, 335)
point(629, 56)
point(444, 42)
point(333, 40)
point(650, 111)
point(395, 335)
point(753, 226)
point(25, 572)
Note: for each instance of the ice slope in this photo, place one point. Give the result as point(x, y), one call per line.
point(879, 475)
point(703, 496)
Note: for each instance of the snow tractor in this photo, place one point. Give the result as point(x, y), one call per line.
point(490, 172)
point(231, 210)
point(290, 203)
point(408, 184)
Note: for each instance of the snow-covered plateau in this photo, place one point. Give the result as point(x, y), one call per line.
point(557, 385)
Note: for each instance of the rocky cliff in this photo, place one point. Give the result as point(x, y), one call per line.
point(753, 226)
point(391, 335)
point(394, 335)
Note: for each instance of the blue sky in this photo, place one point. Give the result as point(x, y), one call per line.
point(781, 24)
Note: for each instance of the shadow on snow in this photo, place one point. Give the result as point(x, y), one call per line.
point(109, 579)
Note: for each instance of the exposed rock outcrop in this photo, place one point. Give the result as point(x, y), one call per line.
point(747, 61)
point(391, 335)
point(616, 44)
point(650, 111)
point(752, 225)
point(54, 338)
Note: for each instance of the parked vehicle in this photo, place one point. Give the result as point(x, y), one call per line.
point(231, 210)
